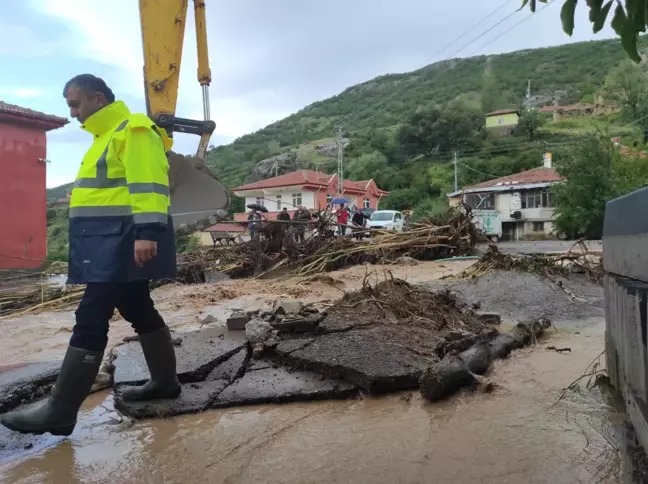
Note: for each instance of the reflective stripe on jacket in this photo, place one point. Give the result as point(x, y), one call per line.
point(121, 194)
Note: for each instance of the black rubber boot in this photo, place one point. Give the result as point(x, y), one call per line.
point(161, 361)
point(58, 413)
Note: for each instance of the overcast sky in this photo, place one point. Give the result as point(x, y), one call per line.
point(269, 58)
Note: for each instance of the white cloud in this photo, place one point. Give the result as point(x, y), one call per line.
point(21, 92)
point(112, 36)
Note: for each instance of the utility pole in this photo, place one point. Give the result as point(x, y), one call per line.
point(456, 183)
point(340, 160)
point(528, 96)
point(276, 168)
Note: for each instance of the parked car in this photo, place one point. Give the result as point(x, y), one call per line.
point(386, 219)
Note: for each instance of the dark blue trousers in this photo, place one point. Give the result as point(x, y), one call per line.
point(97, 306)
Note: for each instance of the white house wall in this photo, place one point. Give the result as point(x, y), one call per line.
point(503, 205)
point(270, 198)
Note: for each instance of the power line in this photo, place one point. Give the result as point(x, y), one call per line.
point(478, 171)
point(377, 108)
point(471, 29)
point(484, 33)
point(517, 24)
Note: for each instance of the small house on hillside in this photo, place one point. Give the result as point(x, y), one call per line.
point(513, 207)
point(503, 121)
point(311, 189)
point(568, 111)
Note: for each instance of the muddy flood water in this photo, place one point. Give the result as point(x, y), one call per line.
point(522, 432)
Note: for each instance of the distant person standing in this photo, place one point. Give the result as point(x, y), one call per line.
point(302, 215)
point(342, 218)
point(254, 221)
point(359, 219)
point(284, 215)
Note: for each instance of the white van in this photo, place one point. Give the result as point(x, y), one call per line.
point(386, 219)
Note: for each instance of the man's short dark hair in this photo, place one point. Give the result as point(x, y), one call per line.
point(90, 83)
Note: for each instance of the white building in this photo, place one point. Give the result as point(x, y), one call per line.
point(513, 207)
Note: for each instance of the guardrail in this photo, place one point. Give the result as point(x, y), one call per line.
point(625, 261)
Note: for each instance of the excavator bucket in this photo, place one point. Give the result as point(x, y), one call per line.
point(195, 194)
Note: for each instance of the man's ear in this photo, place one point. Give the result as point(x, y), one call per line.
point(101, 99)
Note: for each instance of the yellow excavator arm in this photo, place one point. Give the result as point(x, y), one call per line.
point(195, 194)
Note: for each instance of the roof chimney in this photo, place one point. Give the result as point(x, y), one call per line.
point(546, 159)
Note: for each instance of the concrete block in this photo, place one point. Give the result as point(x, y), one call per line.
point(237, 321)
point(489, 318)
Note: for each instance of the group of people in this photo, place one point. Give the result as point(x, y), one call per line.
point(358, 219)
point(303, 215)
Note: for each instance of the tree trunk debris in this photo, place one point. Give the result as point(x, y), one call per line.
point(458, 370)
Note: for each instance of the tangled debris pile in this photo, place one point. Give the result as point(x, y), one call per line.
point(580, 261)
point(37, 296)
point(379, 339)
point(452, 235)
point(382, 338)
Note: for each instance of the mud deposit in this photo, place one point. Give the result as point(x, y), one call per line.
point(520, 295)
point(518, 433)
point(514, 435)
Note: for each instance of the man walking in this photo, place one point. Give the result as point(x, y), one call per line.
point(121, 236)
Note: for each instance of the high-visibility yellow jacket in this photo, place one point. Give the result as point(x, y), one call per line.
point(121, 194)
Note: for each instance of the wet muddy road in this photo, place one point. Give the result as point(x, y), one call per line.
point(44, 336)
point(517, 434)
point(514, 435)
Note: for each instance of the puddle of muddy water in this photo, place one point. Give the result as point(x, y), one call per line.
point(514, 435)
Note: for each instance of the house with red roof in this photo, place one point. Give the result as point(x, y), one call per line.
point(314, 190)
point(23, 152)
point(513, 207)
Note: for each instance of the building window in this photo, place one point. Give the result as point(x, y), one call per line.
point(366, 203)
point(537, 199)
point(481, 201)
point(500, 121)
point(547, 198)
point(538, 226)
point(297, 199)
point(260, 201)
point(278, 202)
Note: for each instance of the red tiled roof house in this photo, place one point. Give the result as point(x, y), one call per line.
point(513, 207)
point(23, 217)
point(309, 188)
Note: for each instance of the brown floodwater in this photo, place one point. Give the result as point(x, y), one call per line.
point(518, 434)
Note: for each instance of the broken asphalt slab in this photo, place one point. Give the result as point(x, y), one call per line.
point(199, 353)
point(231, 369)
point(279, 385)
point(270, 385)
point(21, 384)
point(195, 397)
point(361, 358)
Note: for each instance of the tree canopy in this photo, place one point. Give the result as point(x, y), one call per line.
point(629, 19)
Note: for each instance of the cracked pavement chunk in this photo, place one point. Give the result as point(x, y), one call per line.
point(362, 358)
point(195, 397)
point(280, 385)
point(199, 353)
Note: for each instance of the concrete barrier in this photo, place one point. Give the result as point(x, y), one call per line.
point(625, 260)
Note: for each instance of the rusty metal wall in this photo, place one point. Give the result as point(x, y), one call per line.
point(625, 259)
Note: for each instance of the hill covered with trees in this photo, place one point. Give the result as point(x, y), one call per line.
point(403, 129)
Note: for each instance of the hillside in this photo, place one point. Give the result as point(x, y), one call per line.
point(571, 73)
point(453, 94)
